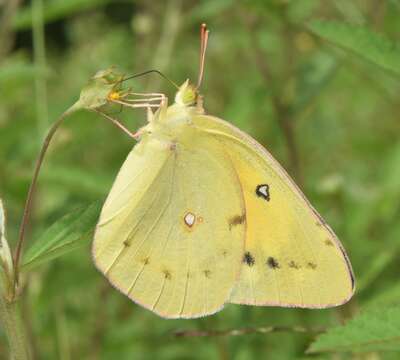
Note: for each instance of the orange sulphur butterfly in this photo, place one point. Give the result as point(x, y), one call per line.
point(201, 215)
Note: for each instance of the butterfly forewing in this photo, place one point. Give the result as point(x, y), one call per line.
point(170, 235)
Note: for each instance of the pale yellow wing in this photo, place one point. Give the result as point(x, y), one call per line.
point(292, 257)
point(165, 236)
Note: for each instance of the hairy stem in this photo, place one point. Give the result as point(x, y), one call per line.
point(12, 325)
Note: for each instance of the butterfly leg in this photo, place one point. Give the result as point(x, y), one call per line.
point(136, 101)
point(116, 123)
point(141, 100)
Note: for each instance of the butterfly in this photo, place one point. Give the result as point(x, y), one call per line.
point(201, 215)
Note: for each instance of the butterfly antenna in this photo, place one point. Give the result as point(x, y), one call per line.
point(204, 32)
point(150, 72)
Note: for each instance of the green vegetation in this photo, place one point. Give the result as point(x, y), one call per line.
point(317, 82)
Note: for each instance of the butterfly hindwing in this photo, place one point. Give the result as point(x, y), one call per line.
point(169, 235)
point(291, 258)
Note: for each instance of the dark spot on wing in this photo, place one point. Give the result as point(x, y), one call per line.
point(224, 253)
point(328, 242)
point(248, 259)
point(207, 273)
point(126, 243)
point(262, 191)
point(311, 265)
point(294, 265)
point(146, 261)
point(273, 263)
point(236, 220)
point(167, 274)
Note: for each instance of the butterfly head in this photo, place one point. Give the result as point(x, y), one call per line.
point(187, 94)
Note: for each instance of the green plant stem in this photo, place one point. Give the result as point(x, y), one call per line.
point(32, 187)
point(12, 325)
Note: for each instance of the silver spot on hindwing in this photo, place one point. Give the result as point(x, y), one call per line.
point(189, 219)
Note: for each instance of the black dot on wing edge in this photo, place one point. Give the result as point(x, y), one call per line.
point(262, 191)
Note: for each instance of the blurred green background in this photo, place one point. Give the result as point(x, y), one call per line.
point(330, 117)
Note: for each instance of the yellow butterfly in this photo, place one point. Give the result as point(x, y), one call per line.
point(201, 215)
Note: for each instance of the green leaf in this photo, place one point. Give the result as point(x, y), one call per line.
point(374, 330)
point(65, 235)
point(364, 42)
